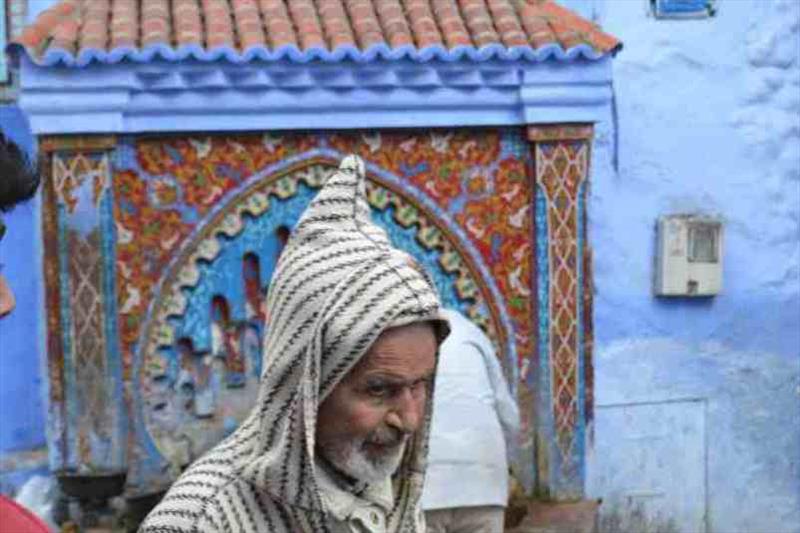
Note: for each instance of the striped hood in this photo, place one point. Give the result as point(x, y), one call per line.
point(338, 285)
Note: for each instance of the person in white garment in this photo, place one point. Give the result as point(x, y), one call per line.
point(474, 435)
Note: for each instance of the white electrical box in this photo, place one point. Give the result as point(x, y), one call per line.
point(688, 256)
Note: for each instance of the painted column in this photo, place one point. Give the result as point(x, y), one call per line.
point(563, 288)
point(86, 425)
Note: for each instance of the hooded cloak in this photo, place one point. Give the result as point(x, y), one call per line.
point(338, 285)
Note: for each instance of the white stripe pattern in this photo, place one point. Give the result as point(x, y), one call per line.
point(338, 285)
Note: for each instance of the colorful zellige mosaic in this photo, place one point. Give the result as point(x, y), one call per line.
point(208, 266)
point(561, 170)
point(479, 178)
point(80, 185)
point(476, 176)
point(165, 215)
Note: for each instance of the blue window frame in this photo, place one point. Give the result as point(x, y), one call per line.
point(683, 8)
point(4, 78)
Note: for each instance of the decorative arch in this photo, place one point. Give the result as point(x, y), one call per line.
point(199, 353)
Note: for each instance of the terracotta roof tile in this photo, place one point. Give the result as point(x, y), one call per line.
point(277, 25)
point(124, 29)
point(394, 22)
point(448, 18)
point(80, 31)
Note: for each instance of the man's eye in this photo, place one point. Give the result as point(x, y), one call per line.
point(379, 391)
point(421, 385)
point(422, 382)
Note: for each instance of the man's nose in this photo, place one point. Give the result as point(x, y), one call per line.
point(7, 301)
point(407, 412)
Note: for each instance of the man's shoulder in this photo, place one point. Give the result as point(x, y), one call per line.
point(192, 501)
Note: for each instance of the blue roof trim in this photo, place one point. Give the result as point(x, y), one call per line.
point(192, 95)
point(379, 52)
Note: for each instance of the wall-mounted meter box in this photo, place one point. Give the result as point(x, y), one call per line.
point(688, 258)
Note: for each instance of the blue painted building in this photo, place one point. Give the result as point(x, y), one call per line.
point(697, 420)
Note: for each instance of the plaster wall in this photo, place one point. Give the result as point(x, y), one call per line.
point(697, 421)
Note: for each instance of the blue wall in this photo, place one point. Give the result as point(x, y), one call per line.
point(698, 401)
point(22, 432)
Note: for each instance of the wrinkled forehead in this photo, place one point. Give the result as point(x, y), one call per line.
point(404, 353)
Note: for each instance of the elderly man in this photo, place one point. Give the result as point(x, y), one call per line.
point(337, 440)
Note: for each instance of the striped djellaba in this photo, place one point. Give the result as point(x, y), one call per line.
point(338, 285)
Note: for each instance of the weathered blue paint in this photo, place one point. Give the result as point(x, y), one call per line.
point(61, 431)
point(94, 423)
point(21, 343)
point(579, 451)
point(224, 275)
point(706, 121)
point(119, 432)
point(540, 379)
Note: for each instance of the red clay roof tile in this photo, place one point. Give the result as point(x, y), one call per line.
point(105, 25)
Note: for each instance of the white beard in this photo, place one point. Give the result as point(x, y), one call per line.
point(352, 459)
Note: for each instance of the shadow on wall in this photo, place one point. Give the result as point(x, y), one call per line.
point(632, 518)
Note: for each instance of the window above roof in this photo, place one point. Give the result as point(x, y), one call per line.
point(4, 74)
point(12, 19)
point(677, 9)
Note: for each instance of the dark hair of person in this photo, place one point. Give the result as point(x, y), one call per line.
point(18, 177)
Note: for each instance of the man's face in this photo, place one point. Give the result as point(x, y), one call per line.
point(365, 422)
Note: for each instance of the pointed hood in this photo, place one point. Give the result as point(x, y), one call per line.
point(338, 285)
